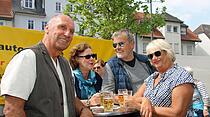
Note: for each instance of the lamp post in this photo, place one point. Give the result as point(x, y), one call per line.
point(150, 2)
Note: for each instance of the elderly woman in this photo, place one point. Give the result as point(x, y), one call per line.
point(168, 91)
point(87, 82)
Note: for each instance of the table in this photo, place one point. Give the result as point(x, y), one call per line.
point(116, 113)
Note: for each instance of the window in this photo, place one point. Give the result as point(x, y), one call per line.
point(189, 50)
point(144, 47)
point(30, 24)
point(176, 48)
point(58, 6)
point(175, 29)
point(29, 4)
point(183, 31)
point(1, 23)
point(43, 25)
point(168, 28)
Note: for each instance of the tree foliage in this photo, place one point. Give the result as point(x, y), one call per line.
point(103, 17)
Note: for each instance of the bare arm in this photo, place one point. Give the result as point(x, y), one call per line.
point(140, 91)
point(14, 107)
point(82, 109)
point(181, 99)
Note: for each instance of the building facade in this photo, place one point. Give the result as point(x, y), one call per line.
point(181, 38)
point(203, 32)
point(6, 14)
point(34, 14)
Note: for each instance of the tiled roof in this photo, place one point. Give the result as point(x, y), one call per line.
point(190, 36)
point(156, 32)
point(6, 9)
point(171, 18)
point(203, 28)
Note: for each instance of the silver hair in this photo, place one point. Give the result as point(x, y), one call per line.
point(161, 45)
point(125, 32)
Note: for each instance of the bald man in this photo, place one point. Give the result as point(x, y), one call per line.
point(38, 81)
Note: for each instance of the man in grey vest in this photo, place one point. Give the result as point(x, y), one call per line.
point(126, 70)
point(38, 81)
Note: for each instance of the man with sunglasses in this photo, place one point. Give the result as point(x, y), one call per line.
point(126, 70)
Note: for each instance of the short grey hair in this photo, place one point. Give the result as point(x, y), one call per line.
point(125, 32)
point(161, 45)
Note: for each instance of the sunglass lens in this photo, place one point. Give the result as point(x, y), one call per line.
point(94, 56)
point(150, 56)
point(87, 56)
point(121, 44)
point(157, 53)
point(114, 45)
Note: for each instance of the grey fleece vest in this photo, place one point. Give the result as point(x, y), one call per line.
point(46, 99)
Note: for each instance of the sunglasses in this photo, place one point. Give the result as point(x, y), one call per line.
point(120, 44)
point(89, 56)
point(157, 54)
point(98, 67)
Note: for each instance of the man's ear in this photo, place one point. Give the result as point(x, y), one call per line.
point(46, 29)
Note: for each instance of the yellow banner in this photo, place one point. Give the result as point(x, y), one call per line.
point(13, 40)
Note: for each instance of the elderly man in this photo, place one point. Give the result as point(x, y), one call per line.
point(38, 80)
point(126, 70)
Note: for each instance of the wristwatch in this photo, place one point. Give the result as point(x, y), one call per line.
point(88, 102)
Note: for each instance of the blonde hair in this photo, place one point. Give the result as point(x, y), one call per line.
point(161, 45)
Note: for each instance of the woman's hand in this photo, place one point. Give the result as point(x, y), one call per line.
point(146, 107)
point(95, 99)
point(133, 103)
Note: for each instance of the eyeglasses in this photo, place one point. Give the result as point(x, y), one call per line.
point(120, 44)
point(157, 54)
point(89, 56)
point(98, 67)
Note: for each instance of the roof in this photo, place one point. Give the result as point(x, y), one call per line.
point(190, 36)
point(171, 18)
point(156, 34)
point(6, 9)
point(203, 28)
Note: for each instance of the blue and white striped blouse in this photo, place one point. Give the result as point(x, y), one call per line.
point(161, 94)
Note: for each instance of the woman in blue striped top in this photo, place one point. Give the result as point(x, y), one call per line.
point(167, 92)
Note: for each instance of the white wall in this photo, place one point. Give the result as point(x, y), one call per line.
point(203, 48)
point(188, 43)
point(21, 20)
point(200, 65)
point(172, 37)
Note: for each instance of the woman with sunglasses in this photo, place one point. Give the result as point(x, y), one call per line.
point(99, 67)
point(87, 82)
point(168, 91)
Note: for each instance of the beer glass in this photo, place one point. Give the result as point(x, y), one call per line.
point(121, 98)
point(108, 102)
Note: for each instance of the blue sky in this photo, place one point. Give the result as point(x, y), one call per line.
point(192, 12)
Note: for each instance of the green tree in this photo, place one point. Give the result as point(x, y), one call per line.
point(103, 17)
